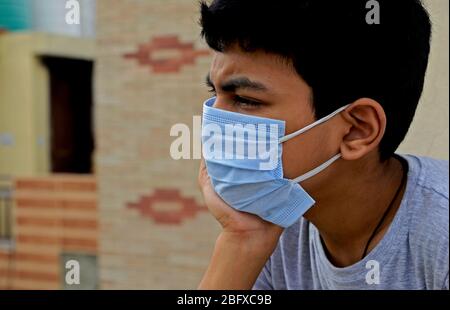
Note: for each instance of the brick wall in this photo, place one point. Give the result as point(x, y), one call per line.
point(155, 231)
point(52, 216)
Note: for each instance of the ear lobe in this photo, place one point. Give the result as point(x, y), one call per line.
point(366, 127)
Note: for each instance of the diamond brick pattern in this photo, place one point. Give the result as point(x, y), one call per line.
point(166, 54)
point(147, 206)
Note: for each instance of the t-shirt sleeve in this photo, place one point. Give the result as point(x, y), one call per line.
point(264, 281)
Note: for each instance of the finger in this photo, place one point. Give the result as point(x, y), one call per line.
point(203, 177)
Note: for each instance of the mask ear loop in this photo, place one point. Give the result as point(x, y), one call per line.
point(323, 120)
point(326, 164)
point(317, 170)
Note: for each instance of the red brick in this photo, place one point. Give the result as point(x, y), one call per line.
point(33, 257)
point(35, 185)
point(36, 203)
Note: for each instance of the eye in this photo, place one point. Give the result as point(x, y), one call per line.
point(245, 103)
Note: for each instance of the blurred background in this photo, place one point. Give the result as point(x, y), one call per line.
point(85, 116)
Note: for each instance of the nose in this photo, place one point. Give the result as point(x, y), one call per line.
point(218, 104)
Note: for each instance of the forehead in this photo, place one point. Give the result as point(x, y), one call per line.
point(264, 67)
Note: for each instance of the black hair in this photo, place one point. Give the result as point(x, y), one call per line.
point(335, 50)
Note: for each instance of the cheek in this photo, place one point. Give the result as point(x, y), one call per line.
point(303, 153)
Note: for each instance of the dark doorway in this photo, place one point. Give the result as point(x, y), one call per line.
point(72, 142)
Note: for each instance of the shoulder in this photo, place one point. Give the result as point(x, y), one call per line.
point(427, 202)
point(432, 174)
point(427, 195)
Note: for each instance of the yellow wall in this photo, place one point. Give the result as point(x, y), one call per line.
point(15, 104)
point(24, 97)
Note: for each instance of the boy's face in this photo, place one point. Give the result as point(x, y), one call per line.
point(278, 93)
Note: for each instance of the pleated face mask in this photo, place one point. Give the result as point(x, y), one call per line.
point(243, 157)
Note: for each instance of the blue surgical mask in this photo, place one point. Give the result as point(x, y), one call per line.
point(243, 156)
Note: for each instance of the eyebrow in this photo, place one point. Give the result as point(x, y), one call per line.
point(237, 83)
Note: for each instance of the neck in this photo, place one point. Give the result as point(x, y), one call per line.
point(348, 210)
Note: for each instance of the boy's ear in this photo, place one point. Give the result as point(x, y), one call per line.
point(366, 127)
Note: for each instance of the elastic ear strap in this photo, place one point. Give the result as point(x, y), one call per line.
point(317, 170)
point(323, 120)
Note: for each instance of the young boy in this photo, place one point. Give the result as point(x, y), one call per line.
point(379, 220)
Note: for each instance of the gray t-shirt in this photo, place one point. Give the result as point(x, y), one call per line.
point(413, 254)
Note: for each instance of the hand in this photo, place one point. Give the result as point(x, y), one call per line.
point(233, 221)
